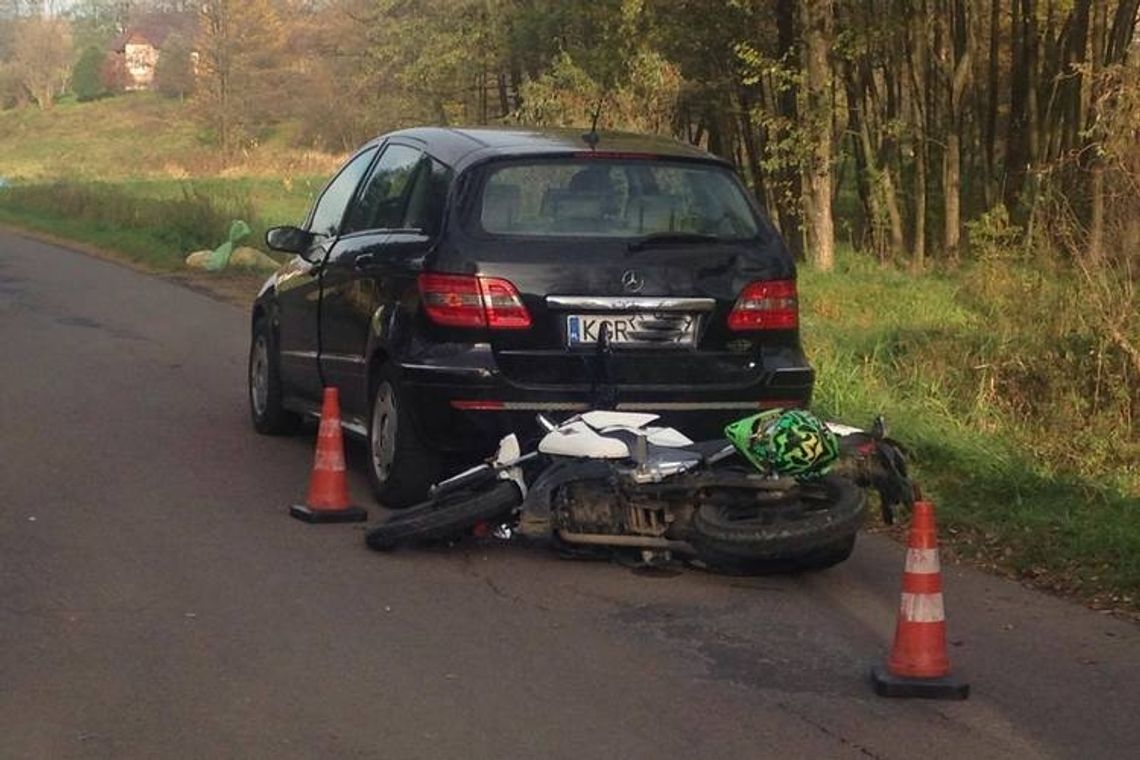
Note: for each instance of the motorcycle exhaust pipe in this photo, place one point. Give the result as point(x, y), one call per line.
point(636, 542)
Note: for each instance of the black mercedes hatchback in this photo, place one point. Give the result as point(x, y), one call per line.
point(453, 282)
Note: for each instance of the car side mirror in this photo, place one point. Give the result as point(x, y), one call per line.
point(289, 239)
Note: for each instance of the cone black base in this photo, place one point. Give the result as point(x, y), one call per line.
point(889, 685)
point(310, 515)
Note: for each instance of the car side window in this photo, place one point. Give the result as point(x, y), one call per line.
point(427, 198)
point(384, 198)
point(329, 212)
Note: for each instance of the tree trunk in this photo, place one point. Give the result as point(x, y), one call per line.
point(865, 163)
point(751, 150)
point(1096, 169)
point(1123, 27)
point(955, 61)
point(918, 78)
point(1020, 125)
point(790, 179)
point(990, 131)
point(504, 97)
point(818, 36)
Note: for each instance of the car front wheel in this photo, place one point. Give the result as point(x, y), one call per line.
point(400, 467)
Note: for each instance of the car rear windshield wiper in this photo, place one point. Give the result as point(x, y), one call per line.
point(670, 238)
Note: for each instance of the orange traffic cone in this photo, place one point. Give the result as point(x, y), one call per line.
point(918, 665)
point(328, 489)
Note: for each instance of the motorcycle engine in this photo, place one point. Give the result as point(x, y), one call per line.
point(599, 507)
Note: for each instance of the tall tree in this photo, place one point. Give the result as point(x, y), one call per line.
point(174, 71)
point(918, 36)
point(954, 64)
point(239, 68)
point(41, 57)
point(819, 106)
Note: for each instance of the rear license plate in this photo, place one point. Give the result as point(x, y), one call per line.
point(662, 329)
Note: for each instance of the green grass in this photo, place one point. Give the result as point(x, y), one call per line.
point(137, 135)
point(923, 350)
point(132, 174)
point(157, 222)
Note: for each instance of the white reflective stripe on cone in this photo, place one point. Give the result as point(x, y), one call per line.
point(329, 461)
point(922, 561)
point(329, 427)
point(922, 608)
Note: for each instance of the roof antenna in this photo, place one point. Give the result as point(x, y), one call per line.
point(592, 137)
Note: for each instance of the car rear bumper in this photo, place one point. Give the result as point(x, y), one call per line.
point(467, 405)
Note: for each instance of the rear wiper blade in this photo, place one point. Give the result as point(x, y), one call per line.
point(670, 238)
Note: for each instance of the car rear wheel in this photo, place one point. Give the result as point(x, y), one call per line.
point(401, 467)
point(269, 416)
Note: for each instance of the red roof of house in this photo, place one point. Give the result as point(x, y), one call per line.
point(153, 29)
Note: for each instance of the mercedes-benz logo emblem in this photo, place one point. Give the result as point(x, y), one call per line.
point(632, 281)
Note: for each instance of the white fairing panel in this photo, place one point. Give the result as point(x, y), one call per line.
point(578, 440)
point(599, 420)
point(669, 437)
point(509, 449)
point(841, 429)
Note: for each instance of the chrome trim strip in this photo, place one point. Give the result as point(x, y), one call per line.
point(477, 371)
point(631, 303)
point(355, 428)
point(345, 358)
point(546, 406)
point(691, 406)
point(648, 406)
point(793, 371)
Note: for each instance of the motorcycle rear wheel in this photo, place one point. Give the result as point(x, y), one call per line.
point(446, 518)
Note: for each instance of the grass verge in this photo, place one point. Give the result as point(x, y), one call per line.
point(930, 355)
point(156, 223)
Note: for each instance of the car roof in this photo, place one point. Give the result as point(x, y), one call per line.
point(461, 147)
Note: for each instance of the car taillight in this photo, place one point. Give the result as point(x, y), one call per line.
point(766, 305)
point(465, 301)
point(504, 307)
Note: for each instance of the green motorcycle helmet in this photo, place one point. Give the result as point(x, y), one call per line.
point(785, 442)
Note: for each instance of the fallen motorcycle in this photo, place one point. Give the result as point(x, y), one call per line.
point(783, 487)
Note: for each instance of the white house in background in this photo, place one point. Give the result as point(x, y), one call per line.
point(140, 44)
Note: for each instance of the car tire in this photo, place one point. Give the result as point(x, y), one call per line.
point(267, 412)
point(446, 518)
point(401, 467)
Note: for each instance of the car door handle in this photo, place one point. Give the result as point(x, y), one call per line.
point(364, 260)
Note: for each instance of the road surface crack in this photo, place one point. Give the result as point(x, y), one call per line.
point(831, 734)
point(498, 590)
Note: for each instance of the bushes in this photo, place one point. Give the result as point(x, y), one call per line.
point(87, 75)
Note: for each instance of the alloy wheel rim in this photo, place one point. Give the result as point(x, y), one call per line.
point(383, 437)
point(259, 376)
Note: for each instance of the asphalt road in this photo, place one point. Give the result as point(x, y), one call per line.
point(157, 601)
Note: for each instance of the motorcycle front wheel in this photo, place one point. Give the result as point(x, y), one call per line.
point(447, 517)
point(812, 526)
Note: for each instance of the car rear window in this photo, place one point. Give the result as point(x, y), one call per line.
point(619, 198)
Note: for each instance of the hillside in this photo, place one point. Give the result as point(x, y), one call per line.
point(137, 135)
